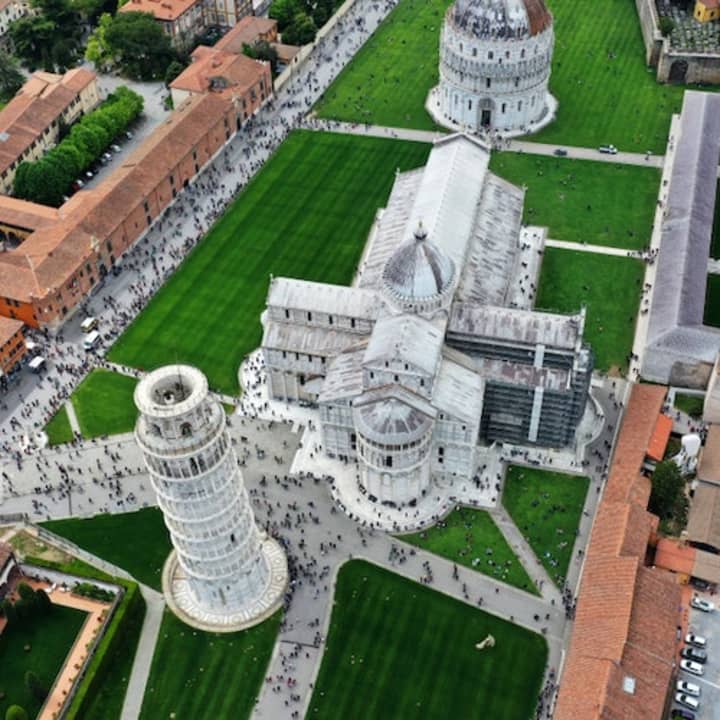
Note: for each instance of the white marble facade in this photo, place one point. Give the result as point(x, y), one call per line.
point(495, 58)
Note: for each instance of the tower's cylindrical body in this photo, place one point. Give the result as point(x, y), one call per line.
point(194, 471)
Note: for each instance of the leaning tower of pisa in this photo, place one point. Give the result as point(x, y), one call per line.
point(223, 573)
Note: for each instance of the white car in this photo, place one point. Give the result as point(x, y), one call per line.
point(688, 688)
point(608, 149)
point(696, 640)
point(687, 701)
point(692, 667)
point(699, 604)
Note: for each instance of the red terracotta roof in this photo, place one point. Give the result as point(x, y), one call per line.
point(166, 10)
point(672, 555)
point(8, 329)
point(246, 32)
point(659, 440)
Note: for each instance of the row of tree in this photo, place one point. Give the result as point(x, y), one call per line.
point(31, 603)
point(47, 179)
point(299, 20)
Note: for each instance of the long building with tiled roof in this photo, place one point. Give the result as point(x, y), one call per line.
point(47, 275)
point(622, 653)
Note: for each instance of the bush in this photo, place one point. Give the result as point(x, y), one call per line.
point(666, 25)
point(34, 686)
point(15, 712)
point(9, 612)
point(90, 590)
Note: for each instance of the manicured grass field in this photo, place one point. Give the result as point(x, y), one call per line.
point(609, 287)
point(58, 429)
point(546, 507)
point(137, 542)
point(690, 404)
point(471, 538)
point(50, 638)
point(207, 675)
point(712, 301)
point(306, 215)
point(605, 92)
point(584, 201)
point(397, 649)
point(715, 246)
point(104, 405)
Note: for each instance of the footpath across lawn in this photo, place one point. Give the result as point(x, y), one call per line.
point(203, 675)
point(471, 538)
point(50, 638)
point(398, 649)
point(546, 508)
point(305, 215)
point(610, 288)
point(584, 201)
point(138, 542)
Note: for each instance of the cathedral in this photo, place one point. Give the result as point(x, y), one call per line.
point(435, 347)
point(495, 60)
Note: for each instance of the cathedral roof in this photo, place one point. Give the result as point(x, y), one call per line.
point(393, 415)
point(418, 269)
point(497, 19)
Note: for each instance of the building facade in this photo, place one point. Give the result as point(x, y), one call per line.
point(436, 348)
point(219, 567)
point(495, 58)
point(12, 344)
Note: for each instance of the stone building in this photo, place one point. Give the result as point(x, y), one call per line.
point(222, 571)
point(436, 347)
point(495, 58)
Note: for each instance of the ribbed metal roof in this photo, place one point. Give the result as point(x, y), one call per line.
point(419, 269)
point(392, 422)
point(497, 19)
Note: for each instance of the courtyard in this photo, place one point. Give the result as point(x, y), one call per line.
point(397, 649)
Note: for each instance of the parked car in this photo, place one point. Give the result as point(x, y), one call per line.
point(608, 149)
point(78, 184)
point(128, 135)
point(699, 584)
point(694, 654)
point(679, 714)
point(687, 701)
point(699, 604)
point(696, 640)
point(107, 156)
point(89, 175)
point(560, 152)
point(688, 688)
point(692, 667)
point(115, 148)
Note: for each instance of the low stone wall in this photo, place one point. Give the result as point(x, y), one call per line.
point(677, 66)
point(648, 17)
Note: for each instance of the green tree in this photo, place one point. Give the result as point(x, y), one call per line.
point(9, 612)
point(173, 70)
point(43, 601)
point(668, 490)
point(138, 43)
point(15, 712)
point(97, 50)
point(262, 50)
point(284, 11)
point(667, 25)
point(11, 79)
point(34, 686)
point(25, 591)
point(32, 37)
point(300, 31)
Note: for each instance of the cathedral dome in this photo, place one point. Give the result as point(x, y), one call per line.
point(418, 270)
point(392, 422)
point(497, 19)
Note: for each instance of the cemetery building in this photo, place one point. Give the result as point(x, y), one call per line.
point(436, 347)
point(495, 58)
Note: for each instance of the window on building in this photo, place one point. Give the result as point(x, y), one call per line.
point(469, 104)
point(490, 55)
point(487, 82)
point(330, 319)
point(352, 322)
point(502, 108)
point(388, 461)
point(309, 317)
point(522, 53)
point(287, 314)
point(517, 81)
point(186, 430)
point(519, 104)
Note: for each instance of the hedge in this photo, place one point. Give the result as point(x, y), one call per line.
point(49, 178)
point(121, 635)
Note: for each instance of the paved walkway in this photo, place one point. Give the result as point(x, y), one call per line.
point(72, 417)
point(520, 146)
point(143, 657)
point(601, 249)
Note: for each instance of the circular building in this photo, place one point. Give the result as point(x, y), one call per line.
point(495, 60)
point(418, 277)
point(223, 574)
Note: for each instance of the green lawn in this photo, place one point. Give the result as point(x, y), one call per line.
point(104, 405)
point(137, 542)
point(605, 92)
point(715, 245)
point(202, 675)
point(58, 429)
point(690, 404)
point(306, 215)
point(584, 201)
point(610, 288)
point(398, 649)
point(50, 638)
point(471, 538)
point(546, 507)
point(712, 301)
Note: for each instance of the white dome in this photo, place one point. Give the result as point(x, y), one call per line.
point(391, 422)
point(497, 19)
point(418, 270)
